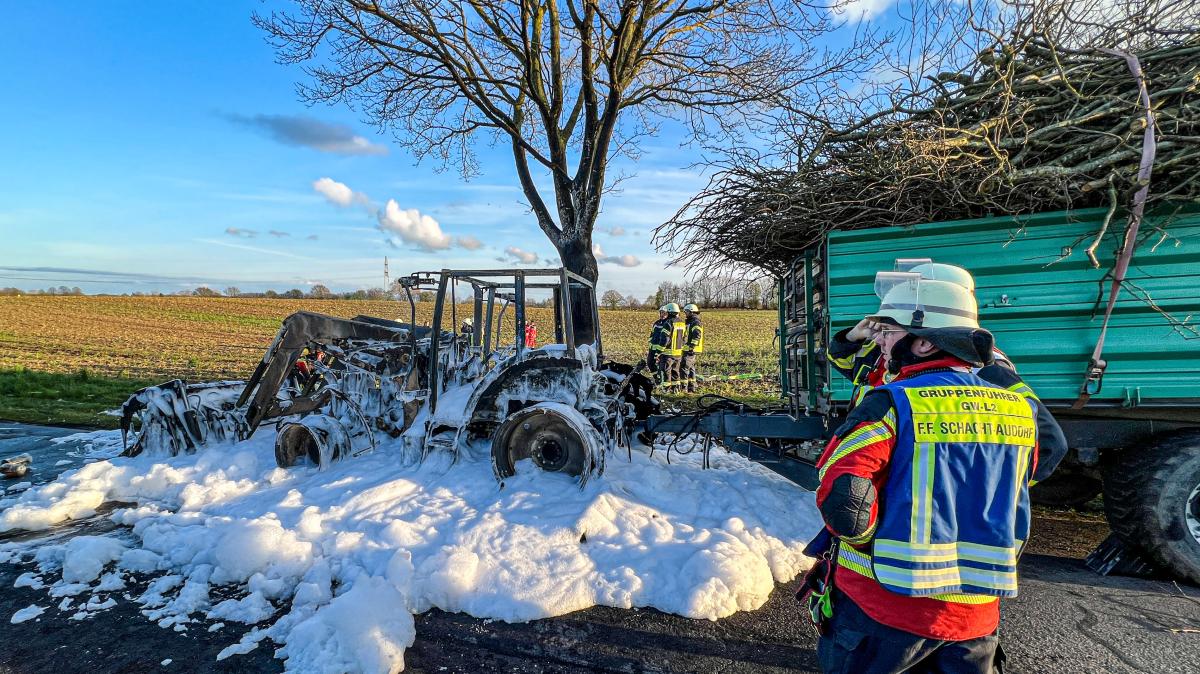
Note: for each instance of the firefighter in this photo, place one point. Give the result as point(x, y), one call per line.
point(924, 491)
point(693, 346)
point(854, 353)
point(666, 344)
point(660, 339)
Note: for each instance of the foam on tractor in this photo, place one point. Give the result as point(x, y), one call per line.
point(321, 373)
point(175, 417)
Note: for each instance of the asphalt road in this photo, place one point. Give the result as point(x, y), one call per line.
point(1065, 620)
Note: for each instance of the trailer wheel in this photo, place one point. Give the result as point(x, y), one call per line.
point(1152, 501)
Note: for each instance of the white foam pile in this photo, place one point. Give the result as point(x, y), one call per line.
point(332, 565)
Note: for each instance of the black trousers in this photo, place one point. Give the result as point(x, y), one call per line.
point(688, 370)
point(856, 644)
point(668, 370)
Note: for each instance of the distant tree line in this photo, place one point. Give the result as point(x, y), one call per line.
point(714, 293)
point(708, 293)
point(60, 290)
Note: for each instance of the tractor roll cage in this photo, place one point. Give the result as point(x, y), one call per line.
point(488, 285)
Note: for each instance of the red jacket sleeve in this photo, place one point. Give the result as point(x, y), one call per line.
point(863, 447)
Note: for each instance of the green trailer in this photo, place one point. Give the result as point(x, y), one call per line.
point(1137, 438)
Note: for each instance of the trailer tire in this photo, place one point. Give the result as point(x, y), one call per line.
point(1152, 501)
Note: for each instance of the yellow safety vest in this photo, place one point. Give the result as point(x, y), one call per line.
point(678, 339)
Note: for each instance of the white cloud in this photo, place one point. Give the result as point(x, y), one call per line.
point(621, 260)
point(339, 194)
point(864, 9)
point(409, 225)
point(617, 231)
point(468, 242)
point(241, 233)
point(412, 227)
point(522, 256)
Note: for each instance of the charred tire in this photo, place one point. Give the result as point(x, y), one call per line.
point(316, 440)
point(1152, 501)
point(1068, 487)
point(554, 442)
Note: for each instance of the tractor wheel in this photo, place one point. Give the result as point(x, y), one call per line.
point(1068, 487)
point(556, 440)
point(1152, 501)
point(316, 440)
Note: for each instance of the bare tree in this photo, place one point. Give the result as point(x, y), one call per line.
point(566, 84)
point(611, 299)
point(1034, 107)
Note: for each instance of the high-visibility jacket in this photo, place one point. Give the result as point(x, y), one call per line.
point(678, 338)
point(695, 335)
point(660, 336)
point(955, 507)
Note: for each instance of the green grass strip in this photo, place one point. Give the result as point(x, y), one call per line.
point(76, 399)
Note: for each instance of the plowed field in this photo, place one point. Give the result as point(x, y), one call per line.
point(204, 338)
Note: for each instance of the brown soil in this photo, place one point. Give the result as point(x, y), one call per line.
point(1066, 533)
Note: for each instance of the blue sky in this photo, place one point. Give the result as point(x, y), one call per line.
point(160, 141)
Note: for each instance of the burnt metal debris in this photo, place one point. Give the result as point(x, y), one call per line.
point(336, 388)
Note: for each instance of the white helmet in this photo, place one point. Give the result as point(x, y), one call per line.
point(942, 311)
point(670, 308)
point(910, 300)
point(691, 308)
point(937, 271)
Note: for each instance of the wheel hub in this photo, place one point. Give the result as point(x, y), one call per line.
point(549, 454)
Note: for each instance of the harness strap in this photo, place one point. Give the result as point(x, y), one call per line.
point(1094, 376)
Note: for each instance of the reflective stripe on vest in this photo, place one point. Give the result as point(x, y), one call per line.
point(956, 501)
point(659, 336)
point(854, 560)
point(678, 339)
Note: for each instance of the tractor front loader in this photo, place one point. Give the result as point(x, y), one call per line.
point(335, 387)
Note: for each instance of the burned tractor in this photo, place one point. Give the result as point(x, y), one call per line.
point(335, 387)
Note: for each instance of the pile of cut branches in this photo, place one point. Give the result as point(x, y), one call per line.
point(1029, 126)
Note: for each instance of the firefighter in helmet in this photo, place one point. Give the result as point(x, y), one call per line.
point(693, 346)
point(855, 353)
point(660, 338)
point(924, 491)
point(666, 344)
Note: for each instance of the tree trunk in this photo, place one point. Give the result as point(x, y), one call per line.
point(576, 254)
